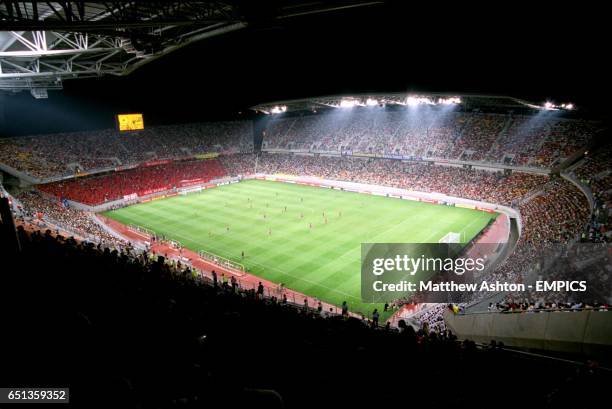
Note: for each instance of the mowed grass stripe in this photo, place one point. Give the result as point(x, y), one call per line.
point(322, 261)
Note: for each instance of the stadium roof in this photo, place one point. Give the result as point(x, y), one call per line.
point(41, 44)
point(403, 98)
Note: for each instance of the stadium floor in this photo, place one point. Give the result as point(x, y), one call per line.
point(305, 237)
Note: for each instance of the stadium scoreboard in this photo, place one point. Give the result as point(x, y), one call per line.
point(130, 122)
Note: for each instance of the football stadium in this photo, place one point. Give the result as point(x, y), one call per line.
point(173, 240)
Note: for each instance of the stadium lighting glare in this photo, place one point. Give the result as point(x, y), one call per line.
point(371, 102)
point(553, 107)
point(348, 103)
point(278, 109)
point(449, 101)
point(414, 101)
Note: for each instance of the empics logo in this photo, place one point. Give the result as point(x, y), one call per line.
point(561, 286)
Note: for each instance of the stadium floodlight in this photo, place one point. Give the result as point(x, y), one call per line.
point(348, 103)
point(371, 102)
point(449, 101)
point(414, 101)
point(553, 107)
point(279, 109)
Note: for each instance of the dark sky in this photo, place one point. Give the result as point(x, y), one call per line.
point(530, 53)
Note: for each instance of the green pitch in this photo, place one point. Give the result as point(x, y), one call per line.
point(314, 245)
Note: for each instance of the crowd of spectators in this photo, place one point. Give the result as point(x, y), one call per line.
point(541, 141)
point(565, 138)
point(142, 180)
point(595, 172)
point(494, 187)
point(507, 306)
point(39, 208)
point(431, 317)
point(520, 141)
point(239, 164)
point(535, 141)
point(478, 135)
point(589, 263)
point(551, 219)
point(151, 335)
point(558, 215)
point(46, 156)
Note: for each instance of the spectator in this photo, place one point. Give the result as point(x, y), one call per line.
point(260, 290)
point(344, 309)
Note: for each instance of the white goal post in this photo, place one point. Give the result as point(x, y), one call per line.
point(222, 261)
point(186, 191)
point(141, 229)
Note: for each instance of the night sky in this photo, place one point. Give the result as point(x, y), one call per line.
point(556, 54)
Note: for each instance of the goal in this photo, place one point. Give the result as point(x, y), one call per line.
point(223, 262)
point(142, 230)
point(451, 237)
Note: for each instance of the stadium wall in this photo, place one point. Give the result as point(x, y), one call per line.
point(585, 332)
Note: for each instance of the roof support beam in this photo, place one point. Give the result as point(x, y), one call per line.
point(50, 53)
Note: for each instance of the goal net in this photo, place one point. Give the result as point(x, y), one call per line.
point(187, 191)
point(221, 261)
point(142, 230)
point(451, 237)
